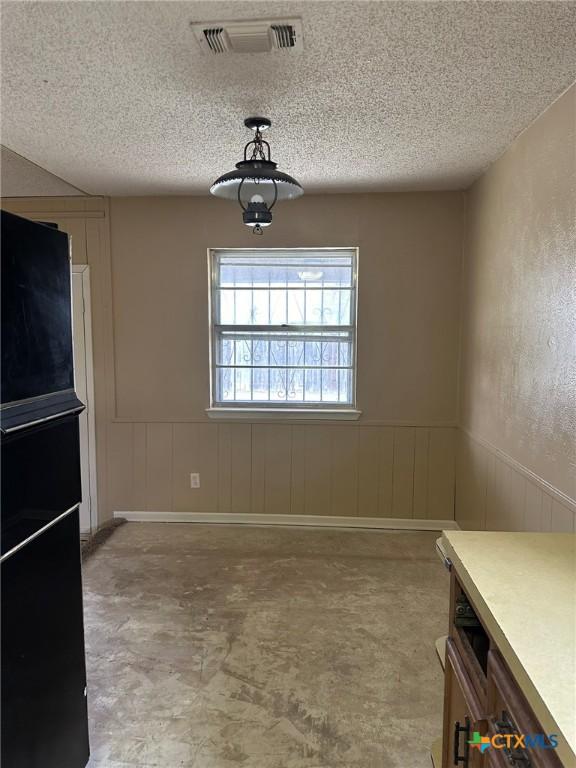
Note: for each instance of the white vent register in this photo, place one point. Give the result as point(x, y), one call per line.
point(251, 36)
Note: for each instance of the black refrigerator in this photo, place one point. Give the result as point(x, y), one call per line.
point(44, 721)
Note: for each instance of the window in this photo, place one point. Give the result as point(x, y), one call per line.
point(283, 329)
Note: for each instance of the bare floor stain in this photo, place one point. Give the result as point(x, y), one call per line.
point(244, 647)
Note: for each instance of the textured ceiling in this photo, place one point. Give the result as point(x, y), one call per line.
point(117, 98)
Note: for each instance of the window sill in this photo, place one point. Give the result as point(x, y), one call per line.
point(282, 414)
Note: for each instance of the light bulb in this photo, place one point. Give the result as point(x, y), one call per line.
point(256, 199)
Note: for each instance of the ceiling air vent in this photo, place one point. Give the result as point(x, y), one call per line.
point(285, 35)
point(215, 39)
point(253, 36)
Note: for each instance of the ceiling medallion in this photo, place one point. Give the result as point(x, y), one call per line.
point(256, 183)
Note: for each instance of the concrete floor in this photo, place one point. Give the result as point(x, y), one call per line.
point(229, 646)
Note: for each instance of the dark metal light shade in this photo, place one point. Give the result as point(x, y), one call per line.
point(257, 184)
point(257, 177)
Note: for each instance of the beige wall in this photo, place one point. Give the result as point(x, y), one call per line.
point(398, 461)
point(517, 447)
point(150, 344)
point(512, 458)
point(408, 297)
point(150, 321)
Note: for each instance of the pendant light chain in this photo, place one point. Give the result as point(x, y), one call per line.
point(257, 145)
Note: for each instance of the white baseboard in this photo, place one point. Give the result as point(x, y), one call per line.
point(314, 521)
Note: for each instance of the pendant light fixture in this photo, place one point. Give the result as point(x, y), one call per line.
point(256, 184)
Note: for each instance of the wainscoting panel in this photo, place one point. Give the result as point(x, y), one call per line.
point(139, 463)
point(195, 449)
point(159, 465)
point(495, 493)
point(441, 474)
point(386, 471)
point(120, 454)
point(334, 470)
point(403, 473)
point(271, 468)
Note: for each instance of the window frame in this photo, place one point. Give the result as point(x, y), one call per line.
point(314, 410)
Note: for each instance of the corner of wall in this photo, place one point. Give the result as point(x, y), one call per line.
point(500, 483)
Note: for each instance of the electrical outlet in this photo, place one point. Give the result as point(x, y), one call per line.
point(194, 480)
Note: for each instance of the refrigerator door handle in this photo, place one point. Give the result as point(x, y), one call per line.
point(37, 533)
point(10, 430)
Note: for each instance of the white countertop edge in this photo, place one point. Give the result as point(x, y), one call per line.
point(565, 750)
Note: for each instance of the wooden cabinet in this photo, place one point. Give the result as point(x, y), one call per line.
point(481, 696)
point(495, 759)
point(462, 715)
point(510, 713)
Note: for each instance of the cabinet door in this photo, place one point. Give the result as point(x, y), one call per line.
point(512, 714)
point(495, 759)
point(461, 716)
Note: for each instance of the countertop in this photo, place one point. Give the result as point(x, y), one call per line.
point(524, 588)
